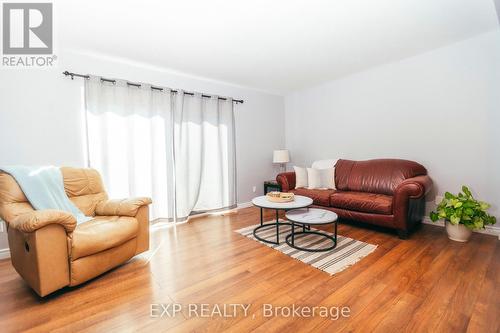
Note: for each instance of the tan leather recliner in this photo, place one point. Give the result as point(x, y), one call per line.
point(50, 251)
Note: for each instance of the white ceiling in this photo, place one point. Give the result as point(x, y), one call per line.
point(276, 46)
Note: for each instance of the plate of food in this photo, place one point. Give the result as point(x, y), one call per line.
point(280, 196)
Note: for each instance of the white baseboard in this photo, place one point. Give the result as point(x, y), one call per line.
point(244, 204)
point(4, 253)
point(489, 230)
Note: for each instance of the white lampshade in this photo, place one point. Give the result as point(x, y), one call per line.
point(281, 156)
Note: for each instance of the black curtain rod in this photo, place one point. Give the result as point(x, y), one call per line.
point(66, 73)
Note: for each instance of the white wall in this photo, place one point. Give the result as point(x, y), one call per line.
point(440, 108)
point(41, 116)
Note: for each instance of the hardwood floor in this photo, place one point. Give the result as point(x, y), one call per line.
point(424, 284)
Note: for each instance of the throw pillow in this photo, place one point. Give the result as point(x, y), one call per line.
point(300, 177)
point(321, 178)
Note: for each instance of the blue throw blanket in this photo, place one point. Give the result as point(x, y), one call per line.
point(44, 189)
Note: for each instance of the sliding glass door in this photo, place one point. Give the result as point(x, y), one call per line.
point(176, 148)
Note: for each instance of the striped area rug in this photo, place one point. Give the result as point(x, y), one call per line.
point(348, 251)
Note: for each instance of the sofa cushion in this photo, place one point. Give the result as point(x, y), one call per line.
point(102, 233)
point(362, 202)
point(320, 197)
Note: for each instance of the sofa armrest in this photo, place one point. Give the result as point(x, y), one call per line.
point(407, 212)
point(121, 207)
point(34, 220)
point(286, 180)
point(413, 188)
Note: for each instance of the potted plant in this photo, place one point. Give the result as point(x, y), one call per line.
point(462, 214)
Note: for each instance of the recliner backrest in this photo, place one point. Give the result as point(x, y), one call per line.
point(84, 188)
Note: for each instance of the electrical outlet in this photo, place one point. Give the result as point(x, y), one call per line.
point(438, 199)
point(254, 189)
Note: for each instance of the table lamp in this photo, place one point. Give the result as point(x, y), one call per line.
point(282, 157)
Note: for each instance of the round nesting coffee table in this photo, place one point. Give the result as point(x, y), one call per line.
point(308, 217)
point(262, 202)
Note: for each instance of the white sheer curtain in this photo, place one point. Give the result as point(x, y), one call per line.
point(176, 148)
point(204, 154)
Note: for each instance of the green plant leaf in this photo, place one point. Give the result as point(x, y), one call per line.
point(434, 216)
point(469, 204)
point(454, 219)
point(469, 224)
point(478, 223)
point(483, 205)
point(468, 211)
point(466, 190)
point(492, 220)
point(449, 211)
point(448, 195)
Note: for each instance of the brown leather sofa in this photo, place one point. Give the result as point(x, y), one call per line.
point(385, 192)
point(50, 251)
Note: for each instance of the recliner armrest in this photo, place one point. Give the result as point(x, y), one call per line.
point(36, 219)
point(286, 180)
point(121, 207)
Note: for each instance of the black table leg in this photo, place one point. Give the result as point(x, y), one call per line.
point(335, 232)
point(276, 224)
point(290, 239)
point(277, 228)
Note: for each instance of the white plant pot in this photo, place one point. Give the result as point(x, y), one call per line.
point(458, 232)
